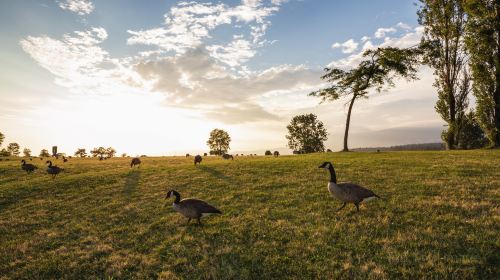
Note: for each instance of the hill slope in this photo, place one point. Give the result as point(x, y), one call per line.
point(101, 219)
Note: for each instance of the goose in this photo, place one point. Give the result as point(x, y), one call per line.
point(28, 167)
point(135, 161)
point(65, 159)
point(197, 159)
point(347, 192)
point(191, 208)
point(52, 169)
point(227, 156)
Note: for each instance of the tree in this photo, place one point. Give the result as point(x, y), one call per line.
point(306, 134)
point(218, 142)
point(4, 153)
point(44, 153)
point(443, 47)
point(81, 152)
point(124, 155)
point(268, 153)
point(13, 149)
point(378, 72)
point(471, 135)
point(482, 40)
point(110, 152)
point(2, 137)
point(98, 152)
point(27, 152)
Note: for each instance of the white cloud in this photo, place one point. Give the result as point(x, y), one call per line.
point(403, 25)
point(81, 7)
point(382, 32)
point(78, 62)
point(348, 46)
point(365, 38)
point(409, 39)
point(188, 24)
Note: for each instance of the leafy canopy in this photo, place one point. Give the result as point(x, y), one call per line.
point(306, 134)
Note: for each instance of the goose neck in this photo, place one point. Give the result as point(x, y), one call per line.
point(333, 176)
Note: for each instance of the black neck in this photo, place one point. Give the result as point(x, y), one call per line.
point(50, 163)
point(177, 197)
point(333, 176)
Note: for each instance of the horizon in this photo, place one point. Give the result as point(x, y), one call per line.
point(155, 78)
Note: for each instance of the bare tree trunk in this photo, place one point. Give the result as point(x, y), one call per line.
point(496, 97)
point(346, 133)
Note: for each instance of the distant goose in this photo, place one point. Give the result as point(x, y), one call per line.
point(347, 192)
point(65, 159)
point(135, 161)
point(191, 208)
point(197, 159)
point(28, 167)
point(52, 169)
point(227, 156)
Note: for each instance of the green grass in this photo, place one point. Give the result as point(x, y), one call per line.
point(100, 219)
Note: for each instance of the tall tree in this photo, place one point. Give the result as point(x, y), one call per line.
point(306, 134)
point(44, 153)
point(27, 152)
point(444, 50)
point(81, 152)
point(377, 72)
point(218, 142)
point(14, 149)
point(2, 137)
point(483, 44)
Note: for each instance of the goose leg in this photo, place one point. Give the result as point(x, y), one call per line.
point(343, 205)
point(199, 221)
point(189, 220)
point(357, 206)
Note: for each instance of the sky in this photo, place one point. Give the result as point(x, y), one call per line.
point(155, 77)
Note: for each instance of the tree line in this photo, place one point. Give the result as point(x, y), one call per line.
point(461, 42)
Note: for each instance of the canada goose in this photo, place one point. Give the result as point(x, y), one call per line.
point(191, 208)
point(135, 161)
point(52, 169)
point(347, 192)
point(227, 156)
point(28, 167)
point(197, 159)
point(65, 159)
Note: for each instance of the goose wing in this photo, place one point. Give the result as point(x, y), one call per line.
point(357, 191)
point(200, 205)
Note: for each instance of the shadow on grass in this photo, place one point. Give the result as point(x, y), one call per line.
point(131, 182)
point(217, 174)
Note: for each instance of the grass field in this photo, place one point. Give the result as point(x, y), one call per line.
point(100, 219)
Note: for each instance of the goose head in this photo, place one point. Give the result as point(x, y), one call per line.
point(326, 165)
point(171, 193)
point(48, 162)
point(23, 161)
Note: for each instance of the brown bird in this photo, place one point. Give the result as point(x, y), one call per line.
point(191, 208)
point(28, 167)
point(135, 161)
point(347, 192)
point(197, 159)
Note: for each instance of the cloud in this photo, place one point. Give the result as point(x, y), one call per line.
point(81, 7)
point(195, 80)
point(365, 38)
point(403, 25)
point(78, 62)
point(348, 46)
point(410, 38)
point(188, 25)
point(382, 32)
